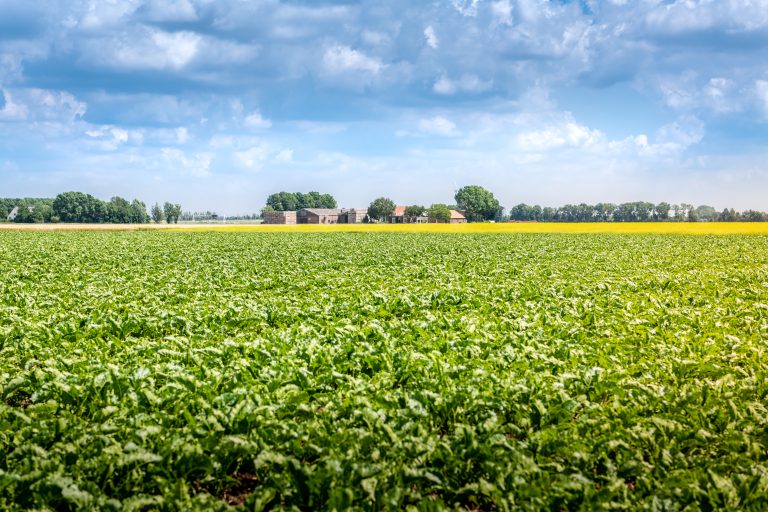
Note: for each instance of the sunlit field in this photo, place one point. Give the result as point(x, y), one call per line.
point(690, 228)
point(223, 371)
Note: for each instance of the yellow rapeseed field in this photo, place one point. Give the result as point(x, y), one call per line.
point(688, 228)
point(696, 228)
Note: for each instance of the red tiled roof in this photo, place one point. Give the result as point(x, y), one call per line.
point(456, 215)
point(399, 211)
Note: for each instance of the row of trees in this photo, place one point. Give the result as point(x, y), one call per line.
point(169, 212)
point(293, 201)
point(85, 208)
point(639, 211)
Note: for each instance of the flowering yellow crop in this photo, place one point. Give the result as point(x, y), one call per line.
point(690, 228)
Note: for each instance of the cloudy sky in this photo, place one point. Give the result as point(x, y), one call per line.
point(216, 104)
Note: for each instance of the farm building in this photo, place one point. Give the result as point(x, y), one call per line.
point(457, 217)
point(353, 216)
point(280, 217)
point(13, 214)
point(318, 216)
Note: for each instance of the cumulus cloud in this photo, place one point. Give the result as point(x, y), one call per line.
point(252, 159)
point(255, 120)
point(171, 10)
point(502, 12)
point(152, 49)
point(37, 105)
point(175, 84)
point(439, 125)
point(12, 110)
point(341, 58)
point(761, 90)
point(431, 38)
point(466, 7)
point(193, 163)
point(466, 84)
point(568, 133)
point(108, 138)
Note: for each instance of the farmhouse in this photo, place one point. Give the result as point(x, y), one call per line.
point(457, 217)
point(13, 214)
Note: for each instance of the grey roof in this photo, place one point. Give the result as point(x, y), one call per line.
point(322, 211)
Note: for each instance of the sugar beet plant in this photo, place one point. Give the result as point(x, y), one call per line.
point(204, 371)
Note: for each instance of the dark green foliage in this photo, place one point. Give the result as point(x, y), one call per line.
point(381, 208)
point(31, 209)
point(184, 371)
point(171, 213)
point(439, 213)
point(84, 208)
point(639, 211)
point(478, 203)
point(292, 201)
point(412, 212)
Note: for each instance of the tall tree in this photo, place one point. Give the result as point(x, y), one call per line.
point(439, 213)
point(172, 212)
point(381, 208)
point(477, 203)
point(412, 212)
point(139, 212)
point(158, 214)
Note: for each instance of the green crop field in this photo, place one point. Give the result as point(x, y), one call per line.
point(373, 371)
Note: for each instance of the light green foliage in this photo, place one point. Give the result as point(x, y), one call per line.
point(181, 371)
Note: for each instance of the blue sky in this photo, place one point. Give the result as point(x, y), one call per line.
point(216, 104)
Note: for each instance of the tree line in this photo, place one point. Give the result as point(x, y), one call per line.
point(638, 211)
point(84, 208)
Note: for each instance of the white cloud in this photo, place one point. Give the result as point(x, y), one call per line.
point(683, 133)
point(502, 12)
point(171, 10)
point(101, 14)
point(254, 158)
point(59, 104)
point(196, 164)
point(12, 110)
point(157, 50)
point(466, 7)
point(375, 38)
point(255, 120)
point(182, 135)
point(108, 138)
point(683, 16)
point(284, 156)
point(761, 90)
point(467, 83)
point(38, 105)
point(431, 38)
point(340, 58)
point(439, 125)
point(567, 134)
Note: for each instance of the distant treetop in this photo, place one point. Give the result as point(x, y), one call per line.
point(292, 201)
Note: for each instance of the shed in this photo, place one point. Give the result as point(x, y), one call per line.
point(318, 216)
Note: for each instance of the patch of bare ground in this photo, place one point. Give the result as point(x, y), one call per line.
point(20, 399)
point(237, 494)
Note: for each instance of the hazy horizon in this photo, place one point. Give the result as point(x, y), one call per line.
point(215, 105)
